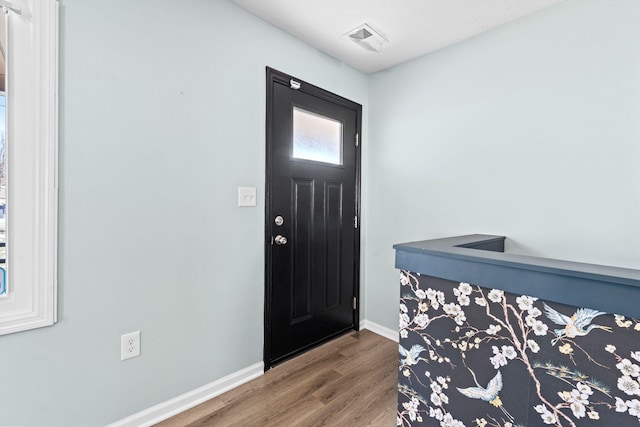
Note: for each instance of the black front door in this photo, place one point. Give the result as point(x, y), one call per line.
point(312, 213)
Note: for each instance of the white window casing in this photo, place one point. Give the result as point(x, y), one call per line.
point(32, 162)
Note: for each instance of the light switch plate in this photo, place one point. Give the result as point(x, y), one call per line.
point(247, 196)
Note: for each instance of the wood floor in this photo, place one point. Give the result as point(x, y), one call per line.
point(351, 381)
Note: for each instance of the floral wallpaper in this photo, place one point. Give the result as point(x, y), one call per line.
point(480, 357)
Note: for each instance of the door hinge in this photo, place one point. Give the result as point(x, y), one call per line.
point(355, 221)
point(294, 84)
point(355, 303)
point(357, 139)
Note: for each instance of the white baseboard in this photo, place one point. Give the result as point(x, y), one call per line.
point(171, 407)
point(380, 330)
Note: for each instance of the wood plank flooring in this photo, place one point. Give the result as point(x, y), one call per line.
point(350, 381)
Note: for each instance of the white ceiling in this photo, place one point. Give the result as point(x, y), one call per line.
point(413, 27)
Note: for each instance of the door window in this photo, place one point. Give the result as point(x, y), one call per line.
point(316, 137)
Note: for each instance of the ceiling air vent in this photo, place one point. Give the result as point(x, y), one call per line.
point(368, 38)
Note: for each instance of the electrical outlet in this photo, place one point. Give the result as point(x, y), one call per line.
point(130, 345)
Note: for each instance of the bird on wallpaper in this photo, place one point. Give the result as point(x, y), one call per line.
point(411, 357)
point(578, 325)
point(488, 394)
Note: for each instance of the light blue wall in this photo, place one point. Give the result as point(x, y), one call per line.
point(162, 118)
point(531, 130)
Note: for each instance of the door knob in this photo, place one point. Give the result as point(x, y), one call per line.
point(280, 240)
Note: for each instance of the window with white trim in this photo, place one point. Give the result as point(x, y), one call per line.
point(28, 163)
